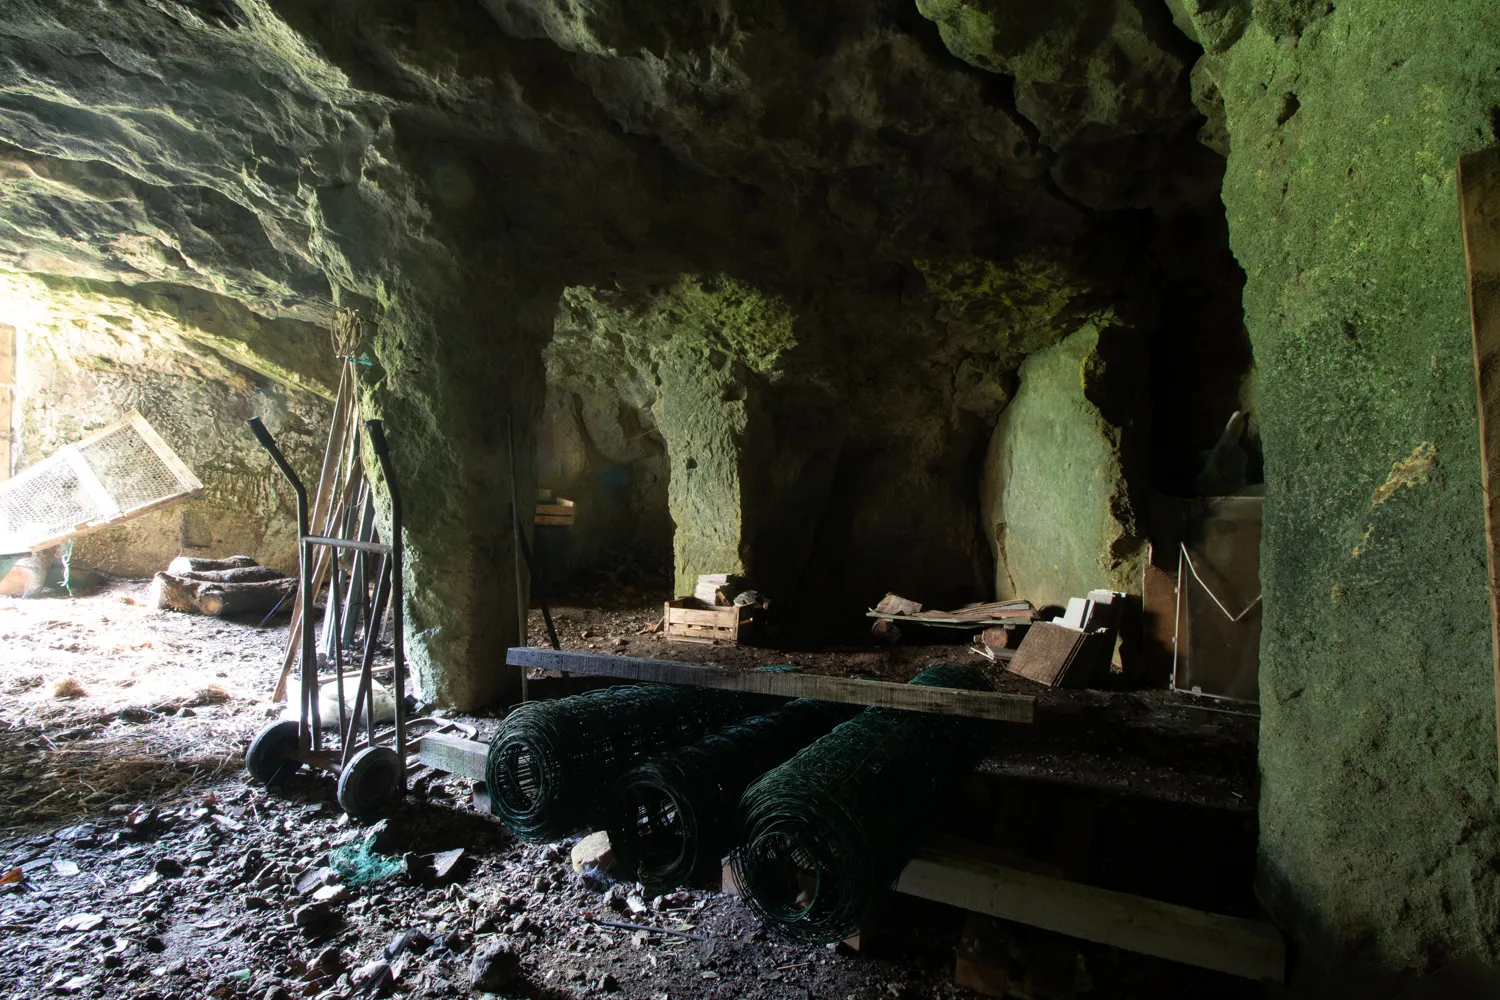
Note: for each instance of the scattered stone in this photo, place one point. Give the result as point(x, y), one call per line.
point(552, 854)
point(64, 867)
point(414, 940)
point(252, 862)
point(169, 868)
point(143, 883)
point(277, 992)
point(593, 851)
point(253, 903)
point(636, 905)
point(331, 894)
point(449, 867)
point(81, 835)
point(178, 968)
point(315, 918)
point(455, 941)
point(314, 879)
point(82, 923)
point(331, 960)
point(495, 965)
point(372, 979)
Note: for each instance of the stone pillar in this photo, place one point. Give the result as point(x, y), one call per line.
point(1379, 825)
point(702, 415)
point(1055, 499)
point(456, 343)
point(751, 464)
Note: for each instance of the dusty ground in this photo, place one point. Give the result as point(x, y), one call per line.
point(142, 863)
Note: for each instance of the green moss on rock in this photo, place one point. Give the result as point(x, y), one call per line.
point(1379, 826)
point(1054, 498)
point(692, 356)
point(1017, 308)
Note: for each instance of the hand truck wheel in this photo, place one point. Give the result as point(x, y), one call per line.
point(270, 758)
point(370, 781)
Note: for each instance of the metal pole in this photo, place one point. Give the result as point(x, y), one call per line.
point(309, 730)
point(515, 531)
point(398, 645)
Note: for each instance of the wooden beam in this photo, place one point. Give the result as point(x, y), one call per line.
point(454, 754)
point(1233, 945)
point(1479, 209)
point(785, 684)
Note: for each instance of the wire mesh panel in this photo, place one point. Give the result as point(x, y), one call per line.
point(120, 472)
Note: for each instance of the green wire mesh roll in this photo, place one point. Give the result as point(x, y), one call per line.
point(826, 832)
point(551, 763)
point(672, 815)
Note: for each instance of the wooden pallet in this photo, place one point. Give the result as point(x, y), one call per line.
point(688, 619)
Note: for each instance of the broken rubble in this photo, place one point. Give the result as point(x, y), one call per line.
point(593, 851)
point(495, 965)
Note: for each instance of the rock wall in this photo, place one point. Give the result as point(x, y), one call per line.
point(921, 194)
point(90, 353)
point(1054, 498)
point(1379, 827)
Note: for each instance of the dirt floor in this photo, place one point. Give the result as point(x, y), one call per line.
point(138, 861)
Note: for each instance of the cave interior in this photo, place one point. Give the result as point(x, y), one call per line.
point(960, 301)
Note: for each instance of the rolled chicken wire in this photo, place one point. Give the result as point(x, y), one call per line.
point(551, 764)
point(822, 835)
point(672, 816)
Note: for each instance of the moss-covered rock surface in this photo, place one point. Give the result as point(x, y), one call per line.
point(1379, 827)
point(1056, 508)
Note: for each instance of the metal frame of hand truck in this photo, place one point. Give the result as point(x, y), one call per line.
point(374, 775)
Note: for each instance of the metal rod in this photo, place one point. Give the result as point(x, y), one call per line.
point(363, 697)
point(335, 631)
point(379, 548)
point(309, 731)
point(359, 586)
point(539, 592)
point(515, 531)
point(398, 648)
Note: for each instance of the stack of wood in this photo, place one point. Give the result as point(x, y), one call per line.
point(233, 586)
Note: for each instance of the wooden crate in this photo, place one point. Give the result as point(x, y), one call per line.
point(559, 512)
point(692, 620)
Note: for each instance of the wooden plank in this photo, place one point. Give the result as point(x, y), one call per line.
point(1233, 945)
point(879, 694)
point(675, 629)
point(720, 618)
point(109, 508)
point(454, 754)
point(1479, 208)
